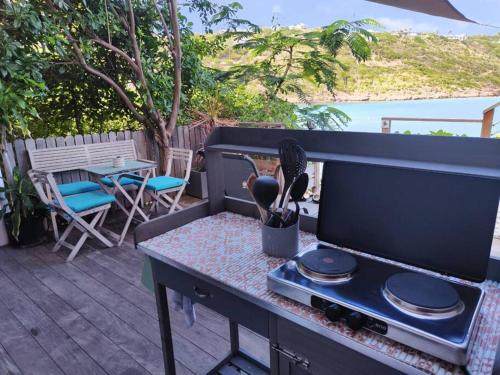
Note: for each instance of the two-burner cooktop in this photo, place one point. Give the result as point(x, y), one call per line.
point(423, 311)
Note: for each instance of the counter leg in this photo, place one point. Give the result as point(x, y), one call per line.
point(234, 337)
point(165, 331)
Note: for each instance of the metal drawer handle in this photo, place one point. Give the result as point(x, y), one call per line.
point(201, 294)
point(298, 361)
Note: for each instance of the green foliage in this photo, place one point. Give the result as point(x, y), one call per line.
point(21, 62)
point(77, 103)
point(74, 100)
point(322, 117)
point(245, 105)
point(401, 67)
point(22, 200)
point(440, 132)
point(284, 59)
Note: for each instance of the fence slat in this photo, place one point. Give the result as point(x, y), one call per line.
point(140, 144)
point(112, 136)
point(51, 142)
point(21, 155)
point(30, 145)
point(104, 137)
point(128, 134)
point(11, 156)
point(40, 143)
point(96, 138)
point(120, 136)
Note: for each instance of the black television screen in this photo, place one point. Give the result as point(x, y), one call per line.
point(433, 220)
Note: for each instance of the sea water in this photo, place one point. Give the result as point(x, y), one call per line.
point(366, 116)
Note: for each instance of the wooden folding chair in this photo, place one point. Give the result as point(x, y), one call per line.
point(73, 209)
point(160, 187)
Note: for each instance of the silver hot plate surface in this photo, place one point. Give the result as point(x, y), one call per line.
point(444, 335)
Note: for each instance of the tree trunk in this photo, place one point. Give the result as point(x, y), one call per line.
point(162, 137)
point(177, 57)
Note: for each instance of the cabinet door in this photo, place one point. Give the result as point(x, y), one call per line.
point(288, 367)
point(307, 352)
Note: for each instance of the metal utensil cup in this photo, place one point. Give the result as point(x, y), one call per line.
point(280, 242)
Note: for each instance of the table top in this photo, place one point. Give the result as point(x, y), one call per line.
point(107, 169)
point(226, 248)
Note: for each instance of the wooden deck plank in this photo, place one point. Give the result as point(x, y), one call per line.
point(198, 334)
point(131, 261)
point(99, 347)
point(28, 355)
point(188, 354)
point(62, 349)
point(7, 365)
point(132, 342)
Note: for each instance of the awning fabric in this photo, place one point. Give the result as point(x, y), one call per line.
point(440, 8)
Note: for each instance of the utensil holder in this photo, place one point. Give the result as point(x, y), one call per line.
point(280, 242)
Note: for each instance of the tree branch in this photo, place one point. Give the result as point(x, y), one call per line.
point(121, 93)
point(166, 31)
point(118, 51)
point(285, 73)
point(137, 56)
point(177, 56)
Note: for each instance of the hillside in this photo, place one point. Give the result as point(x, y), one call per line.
point(406, 66)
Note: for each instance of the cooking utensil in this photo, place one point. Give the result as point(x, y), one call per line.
point(250, 186)
point(297, 190)
point(265, 191)
point(293, 163)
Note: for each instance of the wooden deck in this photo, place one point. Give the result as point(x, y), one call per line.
point(93, 316)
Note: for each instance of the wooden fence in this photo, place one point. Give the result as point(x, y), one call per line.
point(183, 137)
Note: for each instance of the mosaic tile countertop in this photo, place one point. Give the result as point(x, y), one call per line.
point(227, 248)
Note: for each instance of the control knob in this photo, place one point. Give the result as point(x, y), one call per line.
point(334, 312)
point(355, 320)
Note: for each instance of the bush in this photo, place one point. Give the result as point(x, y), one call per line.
point(245, 105)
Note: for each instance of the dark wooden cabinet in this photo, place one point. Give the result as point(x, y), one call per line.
point(302, 351)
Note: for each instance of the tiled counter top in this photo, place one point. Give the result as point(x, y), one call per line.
point(227, 248)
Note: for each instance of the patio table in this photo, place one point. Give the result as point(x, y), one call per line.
point(129, 170)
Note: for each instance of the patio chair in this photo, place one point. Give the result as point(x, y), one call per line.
point(73, 208)
point(160, 187)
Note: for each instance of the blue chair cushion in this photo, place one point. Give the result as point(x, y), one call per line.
point(163, 183)
point(86, 201)
point(77, 187)
point(123, 181)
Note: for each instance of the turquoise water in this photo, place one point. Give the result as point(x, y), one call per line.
point(366, 116)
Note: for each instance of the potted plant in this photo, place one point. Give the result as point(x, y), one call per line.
point(198, 185)
point(23, 211)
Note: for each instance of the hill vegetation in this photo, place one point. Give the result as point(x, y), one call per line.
point(404, 66)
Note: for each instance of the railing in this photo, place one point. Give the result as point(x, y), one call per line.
point(486, 122)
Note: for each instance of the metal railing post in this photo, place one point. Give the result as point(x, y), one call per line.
point(386, 126)
point(487, 123)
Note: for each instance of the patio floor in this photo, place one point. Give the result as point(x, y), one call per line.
point(93, 316)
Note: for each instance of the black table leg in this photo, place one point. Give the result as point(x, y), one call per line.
point(165, 331)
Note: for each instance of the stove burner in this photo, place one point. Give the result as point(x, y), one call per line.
point(422, 296)
point(327, 265)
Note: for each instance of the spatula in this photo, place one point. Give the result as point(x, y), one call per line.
point(293, 163)
point(297, 190)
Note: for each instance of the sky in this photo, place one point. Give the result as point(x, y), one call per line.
point(314, 13)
